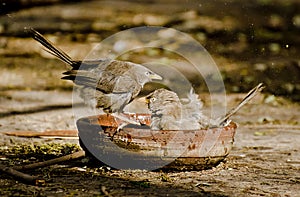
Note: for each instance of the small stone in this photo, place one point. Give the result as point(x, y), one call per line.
point(260, 67)
point(93, 38)
point(189, 15)
point(166, 33)
point(296, 21)
point(138, 19)
point(3, 41)
point(235, 88)
point(155, 20)
point(289, 87)
point(276, 21)
point(274, 47)
point(270, 99)
point(266, 119)
point(201, 36)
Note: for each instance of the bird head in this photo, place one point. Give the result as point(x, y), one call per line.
point(161, 98)
point(144, 75)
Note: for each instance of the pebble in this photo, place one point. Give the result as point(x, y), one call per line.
point(260, 67)
point(276, 21)
point(296, 21)
point(274, 47)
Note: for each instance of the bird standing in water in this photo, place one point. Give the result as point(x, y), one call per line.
point(104, 83)
point(169, 113)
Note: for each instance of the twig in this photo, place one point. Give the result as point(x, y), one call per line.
point(52, 133)
point(50, 162)
point(22, 176)
point(247, 98)
point(273, 126)
point(35, 179)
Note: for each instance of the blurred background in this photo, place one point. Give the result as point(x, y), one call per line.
point(251, 41)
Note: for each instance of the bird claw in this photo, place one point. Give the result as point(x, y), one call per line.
point(118, 130)
point(120, 127)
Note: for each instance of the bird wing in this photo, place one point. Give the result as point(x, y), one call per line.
point(116, 77)
point(113, 102)
point(127, 84)
point(192, 116)
point(194, 107)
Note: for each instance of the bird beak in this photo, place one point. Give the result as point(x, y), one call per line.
point(155, 76)
point(147, 100)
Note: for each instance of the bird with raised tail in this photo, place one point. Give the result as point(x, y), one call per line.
point(104, 83)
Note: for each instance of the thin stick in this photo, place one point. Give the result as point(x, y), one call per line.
point(252, 93)
point(35, 180)
point(76, 155)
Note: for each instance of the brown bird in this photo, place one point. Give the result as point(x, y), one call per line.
point(166, 110)
point(169, 113)
point(104, 83)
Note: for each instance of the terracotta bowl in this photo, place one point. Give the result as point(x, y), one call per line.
point(139, 147)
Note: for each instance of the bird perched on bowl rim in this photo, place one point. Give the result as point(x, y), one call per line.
point(169, 113)
point(104, 83)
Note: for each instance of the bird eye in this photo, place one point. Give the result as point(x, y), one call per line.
point(147, 73)
point(152, 100)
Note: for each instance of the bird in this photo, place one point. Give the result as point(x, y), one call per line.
point(104, 83)
point(165, 110)
point(168, 112)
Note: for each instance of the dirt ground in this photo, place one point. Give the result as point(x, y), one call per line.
point(251, 42)
point(264, 161)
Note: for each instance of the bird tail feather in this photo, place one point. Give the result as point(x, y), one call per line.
point(50, 47)
point(81, 77)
